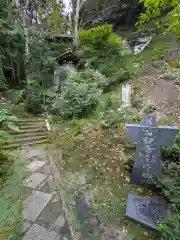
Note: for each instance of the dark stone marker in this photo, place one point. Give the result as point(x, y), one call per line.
point(149, 138)
point(147, 210)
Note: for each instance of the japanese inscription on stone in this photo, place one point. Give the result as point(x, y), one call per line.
point(147, 210)
point(149, 138)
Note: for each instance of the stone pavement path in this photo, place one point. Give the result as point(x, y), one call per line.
point(43, 213)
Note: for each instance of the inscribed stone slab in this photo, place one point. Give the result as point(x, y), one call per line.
point(147, 210)
point(149, 138)
point(34, 204)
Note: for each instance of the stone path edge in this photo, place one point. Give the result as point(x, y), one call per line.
point(57, 180)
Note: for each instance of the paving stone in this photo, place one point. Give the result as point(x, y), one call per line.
point(56, 197)
point(48, 186)
point(34, 204)
point(45, 169)
point(58, 224)
point(33, 152)
point(49, 214)
point(35, 165)
point(65, 238)
point(35, 180)
point(65, 231)
point(37, 232)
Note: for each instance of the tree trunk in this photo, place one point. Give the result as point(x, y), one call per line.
point(26, 37)
point(76, 24)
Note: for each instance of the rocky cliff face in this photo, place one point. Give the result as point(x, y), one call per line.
point(115, 12)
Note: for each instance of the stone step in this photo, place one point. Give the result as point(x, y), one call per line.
point(29, 131)
point(29, 135)
point(26, 139)
point(27, 124)
point(31, 120)
point(32, 126)
point(15, 145)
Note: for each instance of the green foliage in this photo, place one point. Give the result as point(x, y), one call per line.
point(7, 120)
point(111, 115)
point(40, 63)
point(174, 151)
point(150, 108)
point(33, 97)
point(11, 49)
point(3, 85)
point(169, 184)
point(102, 38)
point(96, 37)
point(165, 14)
point(79, 94)
point(10, 179)
point(104, 50)
point(11, 197)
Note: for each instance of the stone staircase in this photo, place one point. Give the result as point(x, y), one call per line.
point(32, 131)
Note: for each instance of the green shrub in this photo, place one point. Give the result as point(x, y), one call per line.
point(96, 37)
point(11, 177)
point(7, 120)
point(11, 204)
point(169, 183)
point(104, 50)
point(79, 94)
point(111, 115)
point(3, 85)
point(33, 97)
point(173, 153)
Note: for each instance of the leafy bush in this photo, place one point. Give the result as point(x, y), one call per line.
point(11, 178)
point(11, 204)
point(3, 85)
point(169, 183)
point(173, 153)
point(104, 50)
point(111, 115)
point(40, 62)
point(96, 37)
point(32, 96)
point(79, 94)
point(7, 120)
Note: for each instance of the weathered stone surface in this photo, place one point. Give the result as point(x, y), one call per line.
point(35, 180)
point(37, 232)
point(56, 198)
point(35, 165)
point(65, 238)
point(33, 152)
point(45, 170)
point(34, 204)
point(149, 211)
point(48, 186)
point(58, 224)
point(49, 214)
point(149, 138)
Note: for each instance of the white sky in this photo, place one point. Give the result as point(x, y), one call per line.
point(67, 4)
